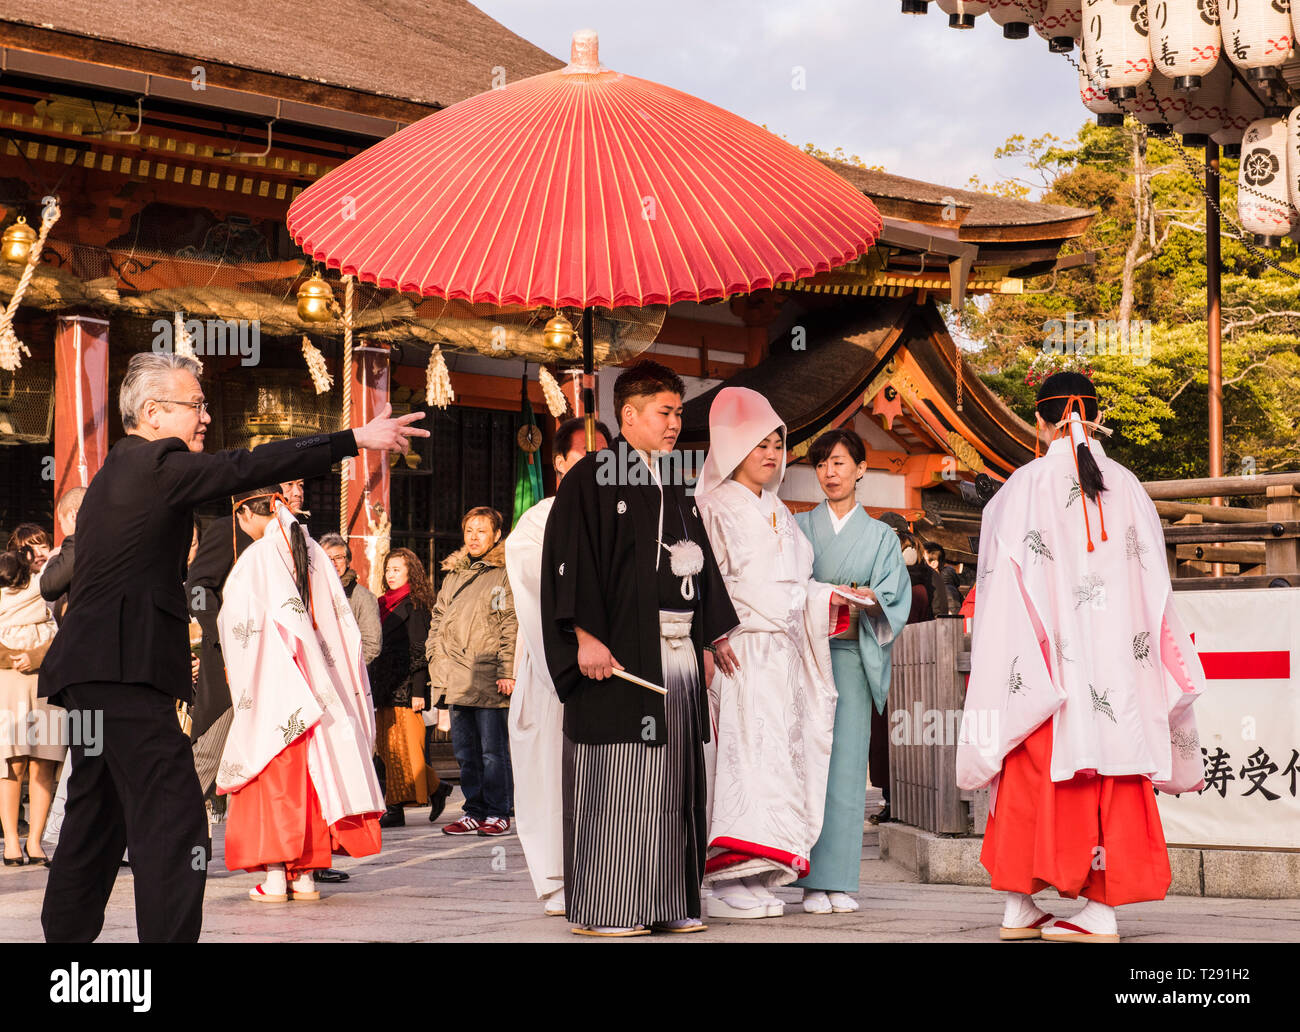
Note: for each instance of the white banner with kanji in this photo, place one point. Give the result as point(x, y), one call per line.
point(1248, 718)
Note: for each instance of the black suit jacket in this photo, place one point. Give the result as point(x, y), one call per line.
point(218, 550)
point(127, 612)
point(56, 578)
point(400, 672)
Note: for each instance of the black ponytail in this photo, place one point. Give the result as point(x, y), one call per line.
point(301, 564)
point(1053, 395)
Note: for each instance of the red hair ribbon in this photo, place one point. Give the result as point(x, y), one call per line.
point(1063, 425)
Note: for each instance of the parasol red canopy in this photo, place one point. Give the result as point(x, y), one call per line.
point(582, 187)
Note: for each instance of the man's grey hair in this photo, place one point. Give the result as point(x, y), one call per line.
point(148, 377)
point(336, 541)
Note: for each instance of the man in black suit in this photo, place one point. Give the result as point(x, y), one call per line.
point(122, 652)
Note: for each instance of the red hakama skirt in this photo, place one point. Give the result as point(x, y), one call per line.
point(1094, 836)
point(276, 819)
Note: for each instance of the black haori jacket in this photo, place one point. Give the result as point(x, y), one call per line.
point(598, 572)
point(127, 618)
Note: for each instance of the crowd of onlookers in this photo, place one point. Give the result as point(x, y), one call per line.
point(436, 660)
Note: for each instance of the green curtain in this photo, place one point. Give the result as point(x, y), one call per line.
point(528, 475)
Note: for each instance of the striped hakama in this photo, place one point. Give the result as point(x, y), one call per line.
point(633, 849)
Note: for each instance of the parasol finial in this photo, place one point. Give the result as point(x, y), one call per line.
point(584, 53)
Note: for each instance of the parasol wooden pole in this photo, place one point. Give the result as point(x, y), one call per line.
point(589, 377)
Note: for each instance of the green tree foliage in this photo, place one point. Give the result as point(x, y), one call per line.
point(1157, 408)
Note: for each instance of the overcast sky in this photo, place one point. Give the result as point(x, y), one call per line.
point(906, 93)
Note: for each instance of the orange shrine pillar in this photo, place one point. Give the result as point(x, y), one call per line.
point(368, 502)
point(81, 403)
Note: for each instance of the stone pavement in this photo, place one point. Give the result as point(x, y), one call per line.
point(428, 887)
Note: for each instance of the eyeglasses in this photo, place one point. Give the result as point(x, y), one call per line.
point(198, 406)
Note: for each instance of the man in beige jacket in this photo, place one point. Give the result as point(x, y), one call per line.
point(471, 653)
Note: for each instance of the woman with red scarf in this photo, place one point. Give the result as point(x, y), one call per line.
point(399, 683)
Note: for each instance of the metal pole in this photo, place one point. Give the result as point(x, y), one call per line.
point(1214, 320)
point(589, 377)
point(1213, 311)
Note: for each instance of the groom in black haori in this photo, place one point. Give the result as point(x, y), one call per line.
point(630, 588)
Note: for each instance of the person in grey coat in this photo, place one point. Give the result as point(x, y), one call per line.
point(365, 607)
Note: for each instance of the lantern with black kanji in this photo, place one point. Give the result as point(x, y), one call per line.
point(1256, 35)
point(1263, 183)
point(1116, 51)
point(962, 13)
point(1094, 98)
point(1207, 107)
point(1185, 40)
point(1016, 16)
point(1242, 109)
point(1061, 25)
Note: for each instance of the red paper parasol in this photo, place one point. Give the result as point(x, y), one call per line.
point(582, 187)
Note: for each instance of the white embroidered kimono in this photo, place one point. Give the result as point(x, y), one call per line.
point(774, 719)
point(536, 720)
point(287, 678)
point(1090, 640)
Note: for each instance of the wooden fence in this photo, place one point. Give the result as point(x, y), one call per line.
point(926, 697)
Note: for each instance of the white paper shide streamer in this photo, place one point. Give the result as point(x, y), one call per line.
point(320, 374)
point(437, 389)
point(556, 402)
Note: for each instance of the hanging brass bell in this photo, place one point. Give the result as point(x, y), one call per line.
point(314, 300)
point(558, 334)
point(16, 245)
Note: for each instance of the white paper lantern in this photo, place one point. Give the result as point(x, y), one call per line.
point(1016, 16)
point(1094, 98)
point(1293, 165)
point(1185, 41)
point(962, 13)
point(1243, 109)
point(1256, 35)
point(1263, 183)
point(1207, 107)
point(1061, 25)
point(1116, 50)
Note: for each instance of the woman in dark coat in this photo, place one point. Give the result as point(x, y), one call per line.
point(399, 685)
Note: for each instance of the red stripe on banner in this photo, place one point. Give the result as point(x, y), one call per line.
point(1231, 666)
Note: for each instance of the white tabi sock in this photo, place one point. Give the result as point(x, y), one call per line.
point(735, 893)
point(1021, 911)
point(275, 883)
point(760, 891)
point(1096, 918)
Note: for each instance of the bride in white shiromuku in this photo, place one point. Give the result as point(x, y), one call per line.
point(773, 718)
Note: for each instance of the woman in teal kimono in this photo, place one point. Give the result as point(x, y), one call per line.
point(849, 547)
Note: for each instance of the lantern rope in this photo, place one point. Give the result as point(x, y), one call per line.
point(11, 348)
point(556, 402)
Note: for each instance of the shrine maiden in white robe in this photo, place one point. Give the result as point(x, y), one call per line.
point(536, 719)
point(774, 718)
point(288, 677)
point(1087, 639)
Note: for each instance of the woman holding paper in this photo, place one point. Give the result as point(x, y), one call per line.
point(774, 716)
point(850, 546)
